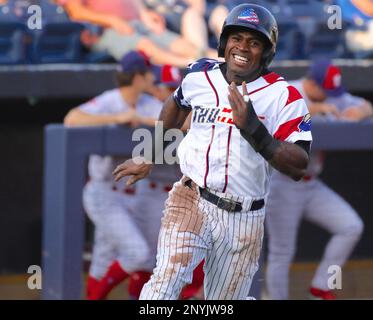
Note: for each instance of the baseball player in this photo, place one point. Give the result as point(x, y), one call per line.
point(289, 202)
point(245, 120)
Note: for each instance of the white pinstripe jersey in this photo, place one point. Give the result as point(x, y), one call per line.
point(213, 153)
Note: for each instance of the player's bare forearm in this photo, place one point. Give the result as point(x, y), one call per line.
point(187, 123)
point(172, 115)
point(76, 117)
point(290, 160)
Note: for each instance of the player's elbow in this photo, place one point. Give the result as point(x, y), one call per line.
point(298, 174)
point(291, 160)
point(68, 122)
point(70, 119)
point(299, 169)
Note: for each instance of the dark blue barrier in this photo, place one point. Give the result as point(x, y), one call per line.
point(87, 80)
point(65, 155)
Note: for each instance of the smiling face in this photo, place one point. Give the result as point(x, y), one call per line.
point(243, 54)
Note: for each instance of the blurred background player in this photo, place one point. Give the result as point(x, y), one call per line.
point(128, 25)
point(120, 246)
point(289, 202)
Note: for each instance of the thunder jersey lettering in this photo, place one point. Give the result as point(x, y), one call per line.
point(213, 153)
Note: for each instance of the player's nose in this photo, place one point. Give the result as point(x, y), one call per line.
point(243, 46)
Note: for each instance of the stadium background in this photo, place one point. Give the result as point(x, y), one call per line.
point(33, 95)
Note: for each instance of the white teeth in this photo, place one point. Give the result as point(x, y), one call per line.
point(240, 58)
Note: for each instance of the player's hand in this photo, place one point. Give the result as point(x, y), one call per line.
point(352, 114)
point(135, 123)
point(136, 120)
point(127, 117)
point(238, 105)
point(137, 168)
point(324, 108)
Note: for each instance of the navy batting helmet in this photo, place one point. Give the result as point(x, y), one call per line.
point(251, 17)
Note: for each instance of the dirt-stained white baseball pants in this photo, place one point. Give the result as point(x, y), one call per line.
point(193, 229)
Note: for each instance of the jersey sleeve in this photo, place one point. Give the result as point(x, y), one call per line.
point(293, 120)
point(102, 104)
point(179, 97)
point(188, 86)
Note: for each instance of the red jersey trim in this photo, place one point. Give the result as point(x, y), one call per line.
point(227, 159)
point(207, 156)
point(278, 79)
point(272, 77)
point(211, 85)
point(213, 127)
point(287, 128)
point(294, 95)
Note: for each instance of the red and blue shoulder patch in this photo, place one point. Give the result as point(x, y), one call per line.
point(299, 124)
point(305, 124)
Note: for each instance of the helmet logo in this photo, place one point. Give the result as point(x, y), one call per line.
point(249, 15)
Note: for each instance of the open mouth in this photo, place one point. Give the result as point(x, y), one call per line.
point(240, 59)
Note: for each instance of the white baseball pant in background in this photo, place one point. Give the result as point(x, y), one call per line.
point(288, 203)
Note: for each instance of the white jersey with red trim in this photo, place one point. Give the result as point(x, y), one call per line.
point(222, 160)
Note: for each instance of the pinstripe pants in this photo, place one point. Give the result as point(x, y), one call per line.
point(194, 229)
